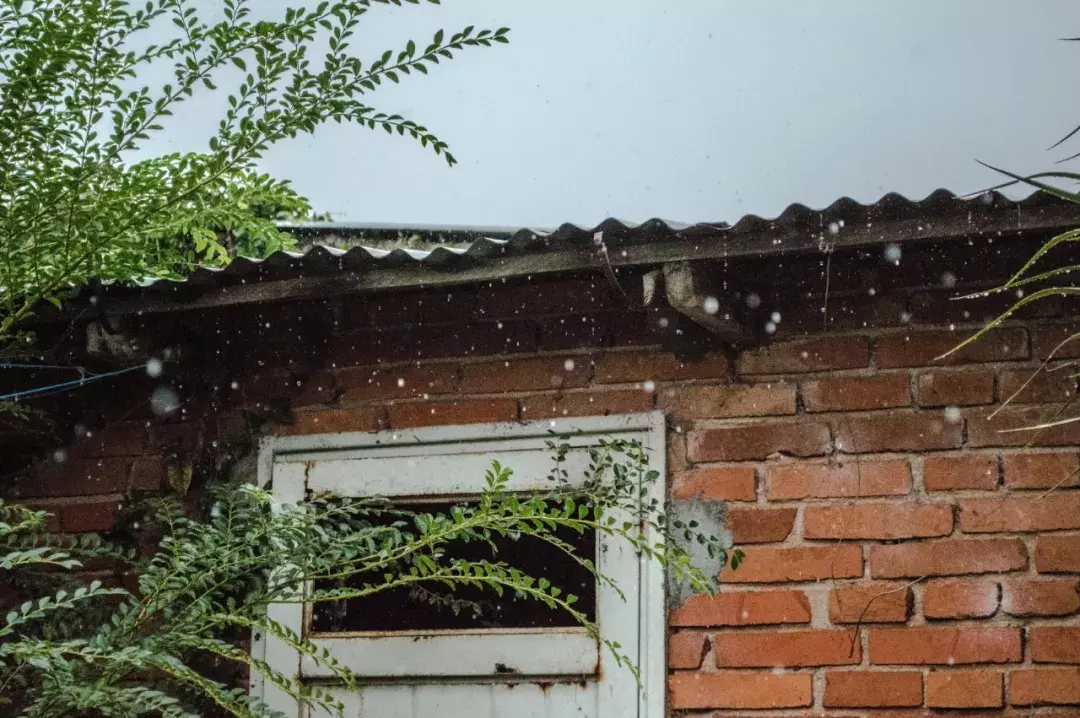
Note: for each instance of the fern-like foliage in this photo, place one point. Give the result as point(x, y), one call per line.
point(208, 587)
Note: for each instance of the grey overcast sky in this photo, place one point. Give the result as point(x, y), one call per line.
point(693, 110)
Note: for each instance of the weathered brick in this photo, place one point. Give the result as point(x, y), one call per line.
point(793, 649)
point(148, 473)
point(881, 521)
point(758, 441)
point(956, 388)
point(781, 564)
point(1054, 644)
point(586, 403)
point(686, 649)
point(817, 354)
point(764, 525)
point(721, 402)
point(901, 431)
point(947, 557)
point(401, 382)
point(1044, 686)
point(1040, 596)
point(90, 516)
point(1013, 427)
point(873, 689)
point(1041, 471)
point(945, 646)
point(1051, 512)
point(126, 438)
point(964, 689)
point(964, 471)
point(1037, 386)
point(870, 603)
point(627, 367)
point(463, 411)
point(1059, 339)
point(524, 374)
point(743, 608)
point(74, 477)
point(924, 347)
point(740, 690)
point(836, 479)
point(179, 437)
point(851, 393)
point(967, 598)
point(1058, 554)
point(334, 421)
point(716, 483)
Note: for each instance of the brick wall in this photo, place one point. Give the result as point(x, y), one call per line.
point(903, 554)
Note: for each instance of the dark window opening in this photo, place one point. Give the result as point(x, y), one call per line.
point(435, 607)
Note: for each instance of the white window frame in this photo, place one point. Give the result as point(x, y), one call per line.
point(649, 427)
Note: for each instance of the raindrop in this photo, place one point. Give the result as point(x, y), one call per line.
point(753, 300)
point(154, 367)
point(952, 415)
point(1019, 293)
point(663, 322)
point(775, 317)
point(892, 252)
point(770, 328)
point(568, 365)
point(650, 385)
point(60, 456)
point(164, 400)
point(834, 228)
point(234, 385)
point(905, 317)
point(401, 382)
point(948, 280)
point(872, 292)
point(712, 305)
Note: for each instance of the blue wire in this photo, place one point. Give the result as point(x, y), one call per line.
point(9, 365)
point(66, 384)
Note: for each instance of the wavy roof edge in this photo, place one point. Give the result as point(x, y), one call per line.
point(455, 244)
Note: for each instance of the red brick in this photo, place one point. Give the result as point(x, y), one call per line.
point(780, 564)
point(148, 473)
point(463, 411)
point(873, 689)
point(1040, 597)
point(525, 374)
point(836, 478)
point(1046, 338)
point(759, 525)
point(870, 603)
point(792, 649)
point(919, 646)
point(721, 402)
point(966, 471)
point(1012, 427)
point(170, 439)
point(334, 421)
point(1041, 471)
point(947, 557)
point(956, 388)
point(716, 483)
point(378, 384)
point(95, 516)
point(1057, 554)
point(686, 649)
point(850, 393)
point(1037, 386)
point(1054, 644)
point(817, 354)
point(1044, 686)
point(743, 608)
point(964, 689)
point(740, 690)
point(969, 598)
point(758, 441)
point(628, 367)
point(121, 439)
point(923, 348)
point(588, 403)
point(1052, 512)
point(881, 521)
point(74, 477)
point(906, 431)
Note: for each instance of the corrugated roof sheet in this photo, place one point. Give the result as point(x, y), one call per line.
point(469, 246)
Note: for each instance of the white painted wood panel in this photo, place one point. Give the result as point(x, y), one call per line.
point(469, 700)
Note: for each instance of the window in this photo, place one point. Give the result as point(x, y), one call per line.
point(491, 658)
